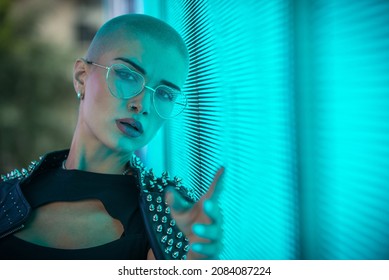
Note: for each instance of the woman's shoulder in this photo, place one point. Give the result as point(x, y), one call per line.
point(49, 160)
point(152, 183)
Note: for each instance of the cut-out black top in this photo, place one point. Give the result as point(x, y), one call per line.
point(119, 195)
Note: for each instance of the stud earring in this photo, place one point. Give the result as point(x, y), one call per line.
point(80, 96)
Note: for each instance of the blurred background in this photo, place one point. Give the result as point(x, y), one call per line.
point(291, 96)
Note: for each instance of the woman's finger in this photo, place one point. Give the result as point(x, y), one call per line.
point(215, 187)
point(212, 210)
point(207, 250)
point(211, 232)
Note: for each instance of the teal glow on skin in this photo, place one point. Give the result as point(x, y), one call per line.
point(199, 230)
point(197, 247)
point(98, 145)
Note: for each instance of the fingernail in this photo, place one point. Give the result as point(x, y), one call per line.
point(208, 206)
point(198, 229)
point(196, 247)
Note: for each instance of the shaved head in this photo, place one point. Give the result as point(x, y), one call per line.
point(155, 55)
point(132, 27)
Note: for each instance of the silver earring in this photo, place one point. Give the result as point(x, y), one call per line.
point(80, 96)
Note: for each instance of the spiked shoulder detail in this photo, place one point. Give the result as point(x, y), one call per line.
point(23, 173)
point(151, 183)
point(167, 240)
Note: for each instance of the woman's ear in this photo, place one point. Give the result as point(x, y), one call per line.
point(79, 75)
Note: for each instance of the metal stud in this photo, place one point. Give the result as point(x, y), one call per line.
point(172, 222)
point(149, 197)
point(159, 199)
point(179, 234)
point(167, 210)
point(183, 257)
point(152, 176)
point(24, 172)
point(169, 230)
point(165, 175)
point(191, 195)
point(32, 165)
point(170, 242)
point(155, 218)
point(164, 238)
point(168, 249)
point(138, 161)
point(179, 245)
point(17, 173)
point(159, 228)
point(143, 173)
point(159, 208)
point(178, 182)
point(186, 248)
point(164, 219)
point(151, 207)
point(175, 254)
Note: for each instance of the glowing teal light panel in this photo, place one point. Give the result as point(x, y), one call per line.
point(292, 97)
point(351, 66)
point(240, 115)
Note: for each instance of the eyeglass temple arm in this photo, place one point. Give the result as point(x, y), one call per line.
point(96, 64)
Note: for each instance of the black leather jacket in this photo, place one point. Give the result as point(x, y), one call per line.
point(166, 240)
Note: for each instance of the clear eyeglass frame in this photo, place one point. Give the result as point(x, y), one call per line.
point(182, 103)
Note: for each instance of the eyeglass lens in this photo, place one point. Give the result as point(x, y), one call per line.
point(125, 83)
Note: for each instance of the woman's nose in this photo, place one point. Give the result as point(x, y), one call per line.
point(140, 104)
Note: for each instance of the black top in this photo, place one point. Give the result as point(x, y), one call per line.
point(119, 195)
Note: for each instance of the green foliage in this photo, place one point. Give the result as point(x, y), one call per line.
point(34, 89)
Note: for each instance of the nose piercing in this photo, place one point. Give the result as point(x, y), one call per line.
point(132, 106)
point(137, 108)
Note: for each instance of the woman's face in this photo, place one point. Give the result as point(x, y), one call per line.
point(127, 125)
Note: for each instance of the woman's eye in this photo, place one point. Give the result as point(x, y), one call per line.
point(168, 96)
point(125, 75)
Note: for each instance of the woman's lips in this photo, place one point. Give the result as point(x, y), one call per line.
point(130, 127)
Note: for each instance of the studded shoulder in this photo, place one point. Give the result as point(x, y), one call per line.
point(150, 182)
point(23, 173)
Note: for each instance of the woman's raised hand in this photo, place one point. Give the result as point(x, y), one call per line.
point(201, 222)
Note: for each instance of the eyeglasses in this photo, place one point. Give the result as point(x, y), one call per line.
point(125, 83)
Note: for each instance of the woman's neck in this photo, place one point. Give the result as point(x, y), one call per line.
point(91, 155)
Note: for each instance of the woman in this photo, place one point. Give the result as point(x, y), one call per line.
point(82, 206)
